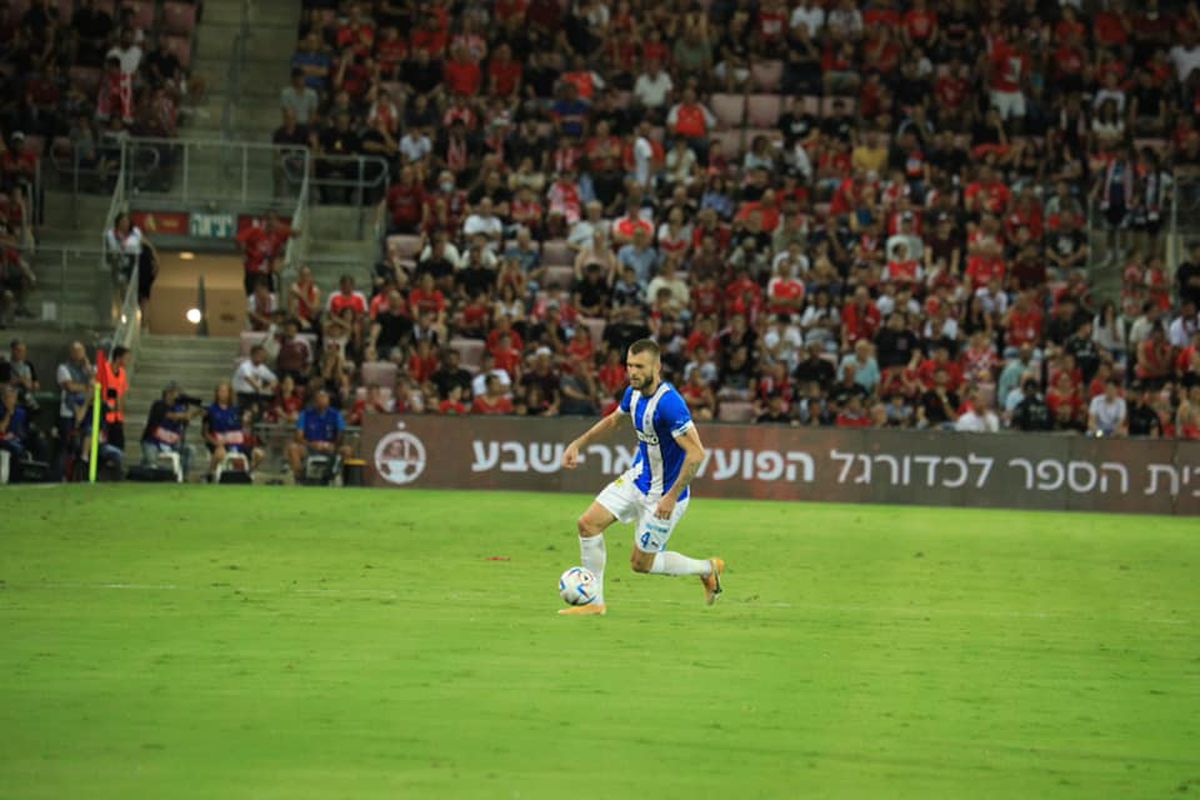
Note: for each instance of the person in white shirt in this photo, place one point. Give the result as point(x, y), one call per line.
point(976, 417)
point(484, 222)
point(1186, 55)
point(1107, 414)
point(253, 380)
point(783, 341)
point(415, 145)
point(127, 52)
point(810, 15)
point(583, 232)
point(652, 87)
point(643, 156)
point(1183, 327)
point(487, 368)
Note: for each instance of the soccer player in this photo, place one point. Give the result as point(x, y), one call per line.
point(654, 491)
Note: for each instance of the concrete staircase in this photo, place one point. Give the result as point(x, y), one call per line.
point(198, 364)
point(334, 249)
point(264, 72)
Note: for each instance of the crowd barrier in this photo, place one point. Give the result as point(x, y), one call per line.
point(1012, 470)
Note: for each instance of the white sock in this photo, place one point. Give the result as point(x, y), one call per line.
point(671, 563)
point(592, 555)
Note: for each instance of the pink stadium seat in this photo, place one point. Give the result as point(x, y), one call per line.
point(248, 340)
point(560, 277)
point(86, 78)
point(35, 144)
point(764, 109)
point(379, 373)
point(556, 253)
point(595, 327)
point(767, 75)
point(827, 105)
point(404, 245)
point(385, 390)
point(179, 18)
point(727, 142)
point(182, 45)
point(143, 13)
point(470, 351)
point(810, 104)
point(736, 412)
point(729, 109)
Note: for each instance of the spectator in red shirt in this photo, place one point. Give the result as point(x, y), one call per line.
point(494, 400)
point(263, 247)
point(504, 74)
point(406, 203)
point(462, 74)
point(860, 318)
point(427, 298)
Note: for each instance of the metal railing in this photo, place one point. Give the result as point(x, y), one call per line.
point(233, 75)
point(297, 247)
point(70, 291)
point(188, 174)
point(349, 180)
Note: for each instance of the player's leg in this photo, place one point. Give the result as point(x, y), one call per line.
point(620, 500)
point(650, 554)
point(593, 555)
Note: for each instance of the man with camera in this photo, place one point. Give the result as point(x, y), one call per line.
point(167, 424)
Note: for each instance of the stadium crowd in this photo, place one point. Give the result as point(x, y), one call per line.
point(842, 213)
point(839, 214)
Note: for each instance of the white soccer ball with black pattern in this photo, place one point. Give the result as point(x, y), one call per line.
point(577, 586)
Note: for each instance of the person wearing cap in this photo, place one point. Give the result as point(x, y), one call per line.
point(166, 426)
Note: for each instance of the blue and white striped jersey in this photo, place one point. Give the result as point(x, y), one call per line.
point(658, 419)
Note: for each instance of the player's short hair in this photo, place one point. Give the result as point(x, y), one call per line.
point(645, 346)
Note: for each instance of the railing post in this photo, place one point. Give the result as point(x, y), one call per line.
point(245, 170)
point(62, 290)
point(358, 193)
point(187, 162)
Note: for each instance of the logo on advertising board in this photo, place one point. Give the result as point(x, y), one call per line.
point(399, 457)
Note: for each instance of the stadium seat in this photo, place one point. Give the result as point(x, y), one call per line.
point(143, 13)
point(850, 104)
point(404, 246)
point(86, 78)
point(557, 253)
point(179, 18)
point(183, 49)
point(729, 109)
point(728, 143)
point(34, 144)
point(561, 277)
point(763, 110)
point(767, 75)
point(470, 351)
point(234, 468)
point(172, 462)
point(249, 339)
point(736, 412)
point(379, 373)
point(595, 326)
point(810, 104)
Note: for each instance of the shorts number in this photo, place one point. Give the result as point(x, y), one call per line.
point(645, 539)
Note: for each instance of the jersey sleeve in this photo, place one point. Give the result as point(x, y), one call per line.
point(626, 399)
point(674, 415)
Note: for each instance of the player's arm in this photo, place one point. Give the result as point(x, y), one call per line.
point(605, 426)
point(693, 457)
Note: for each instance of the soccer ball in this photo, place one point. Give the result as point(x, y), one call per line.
point(577, 586)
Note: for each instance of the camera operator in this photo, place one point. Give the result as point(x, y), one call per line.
point(167, 424)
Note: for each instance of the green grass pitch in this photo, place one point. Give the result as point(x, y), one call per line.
point(243, 642)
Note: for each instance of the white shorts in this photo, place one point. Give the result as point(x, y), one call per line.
point(1009, 104)
point(627, 503)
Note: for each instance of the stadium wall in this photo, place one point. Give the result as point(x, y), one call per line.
point(848, 466)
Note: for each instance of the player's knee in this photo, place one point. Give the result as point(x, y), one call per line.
point(588, 528)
